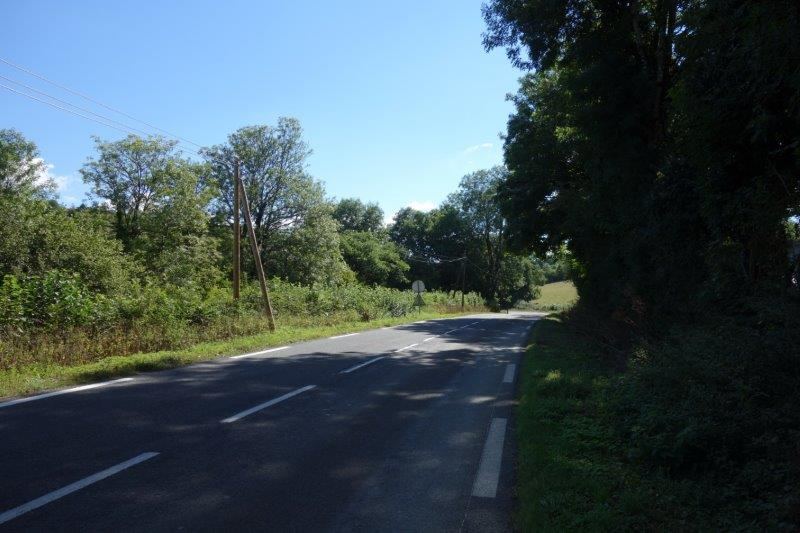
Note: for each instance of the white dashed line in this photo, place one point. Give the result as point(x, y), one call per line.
point(485, 485)
point(343, 336)
point(264, 405)
point(406, 347)
point(73, 487)
point(362, 365)
point(60, 392)
point(262, 352)
point(428, 339)
point(509, 376)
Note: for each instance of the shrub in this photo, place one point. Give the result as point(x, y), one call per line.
point(719, 399)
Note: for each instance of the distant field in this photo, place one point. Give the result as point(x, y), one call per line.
point(556, 297)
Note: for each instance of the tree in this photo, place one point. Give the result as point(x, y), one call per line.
point(21, 168)
point(518, 281)
point(310, 252)
point(160, 205)
point(354, 215)
point(658, 141)
point(288, 206)
point(374, 258)
point(476, 200)
point(38, 236)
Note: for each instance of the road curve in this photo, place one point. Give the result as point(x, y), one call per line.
point(396, 429)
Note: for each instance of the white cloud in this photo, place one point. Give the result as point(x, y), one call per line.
point(424, 206)
point(47, 177)
point(475, 148)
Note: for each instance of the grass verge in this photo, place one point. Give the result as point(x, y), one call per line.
point(572, 472)
point(558, 296)
point(38, 377)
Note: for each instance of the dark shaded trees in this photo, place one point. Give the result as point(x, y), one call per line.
point(659, 140)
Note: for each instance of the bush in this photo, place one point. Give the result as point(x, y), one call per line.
point(55, 300)
point(719, 401)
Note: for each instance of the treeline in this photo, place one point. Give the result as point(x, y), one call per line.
point(660, 143)
point(146, 265)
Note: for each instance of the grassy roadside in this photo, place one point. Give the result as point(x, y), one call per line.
point(572, 473)
point(557, 296)
point(40, 377)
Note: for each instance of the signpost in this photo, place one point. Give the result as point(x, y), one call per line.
point(418, 287)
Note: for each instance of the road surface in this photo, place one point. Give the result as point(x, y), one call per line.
point(396, 429)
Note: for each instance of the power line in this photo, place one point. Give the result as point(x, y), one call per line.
point(102, 119)
point(136, 130)
point(89, 98)
point(63, 108)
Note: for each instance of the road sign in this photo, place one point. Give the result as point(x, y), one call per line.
point(418, 287)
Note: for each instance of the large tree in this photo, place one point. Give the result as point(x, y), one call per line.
point(657, 139)
point(476, 200)
point(291, 216)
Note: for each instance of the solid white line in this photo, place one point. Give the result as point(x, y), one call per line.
point(428, 339)
point(343, 336)
point(264, 405)
point(60, 392)
point(485, 485)
point(78, 485)
point(362, 365)
point(407, 347)
point(262, 352)
point(509, 377)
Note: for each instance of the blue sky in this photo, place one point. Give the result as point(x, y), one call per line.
point(398, 100)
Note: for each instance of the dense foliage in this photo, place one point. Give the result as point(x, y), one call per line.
point(146, 266)
point(660, 143)
point(463, 244)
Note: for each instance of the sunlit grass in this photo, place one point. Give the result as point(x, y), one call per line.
point(557, 296)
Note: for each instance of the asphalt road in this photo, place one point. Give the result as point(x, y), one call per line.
point(397, 429)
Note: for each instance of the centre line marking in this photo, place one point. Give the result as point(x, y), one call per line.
point(279, 399)
point(428, 339)
point(73, 487)
point(60, 392)
point(509, 376)
point(262, 352)
point(407, 347)
point(485, 485)
point(362, 365)
point(343, 336)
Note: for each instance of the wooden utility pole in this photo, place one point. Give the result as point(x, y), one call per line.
point(463, 277)
point(262, 280)
point(237, 233)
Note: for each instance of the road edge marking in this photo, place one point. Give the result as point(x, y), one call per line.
point(342, 336)
point(262, 352)
point(26, 399)
point(73, 487)
point(488, 476)
point(511, 369)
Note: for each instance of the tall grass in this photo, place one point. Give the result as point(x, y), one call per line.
point(53, 319)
